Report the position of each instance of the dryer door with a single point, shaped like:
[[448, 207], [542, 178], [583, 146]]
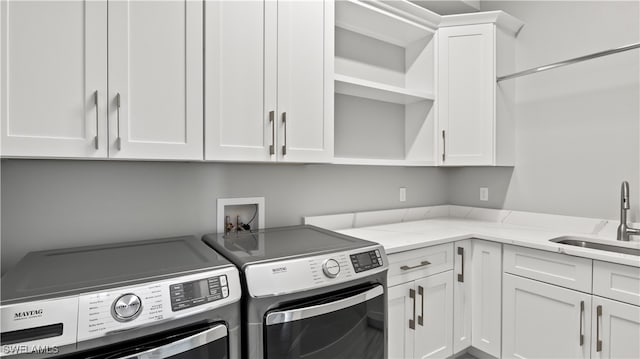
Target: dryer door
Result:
[[347, 325]]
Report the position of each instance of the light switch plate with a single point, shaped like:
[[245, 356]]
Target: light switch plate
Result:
[[403, 194]]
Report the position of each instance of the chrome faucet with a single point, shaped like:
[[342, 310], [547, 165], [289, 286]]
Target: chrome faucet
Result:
[[624, 231]]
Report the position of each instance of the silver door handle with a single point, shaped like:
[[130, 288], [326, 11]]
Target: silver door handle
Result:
[[412, 321], [444, 146], [598, 319], [279, 317], [284, 121], [272, 115], [461, 275], [581, 324], [118, 140], [182, 345], [95, 102], [422, 264], [421, 316]]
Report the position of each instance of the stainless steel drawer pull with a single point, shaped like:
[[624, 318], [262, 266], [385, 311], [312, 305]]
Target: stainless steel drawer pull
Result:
[[118, 140], [581, 324], [444, 146], [598, 320], [95, 102], [272, 119], [412, 322], [421, 316], [284, 121], [461, 275], [422, 264]]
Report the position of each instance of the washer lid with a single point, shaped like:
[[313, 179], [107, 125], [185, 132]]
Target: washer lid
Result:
[[71, 271], [276, 244]]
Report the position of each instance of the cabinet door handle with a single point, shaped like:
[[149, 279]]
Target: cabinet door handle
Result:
[[444, 146], [412, 321], [598, 320], [581, 323], [461, 275], [95, 102], [421, 316], [422, 264], [272, 119], [118, 140], [284, 121]]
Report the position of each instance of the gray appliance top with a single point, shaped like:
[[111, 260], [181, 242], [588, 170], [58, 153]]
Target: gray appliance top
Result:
[[71, 271], [275, 244]]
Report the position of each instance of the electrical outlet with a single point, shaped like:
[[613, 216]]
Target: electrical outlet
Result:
[[484, 193], [403, 194]]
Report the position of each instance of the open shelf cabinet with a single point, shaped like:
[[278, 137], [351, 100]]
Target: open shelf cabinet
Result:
[[384, 86]]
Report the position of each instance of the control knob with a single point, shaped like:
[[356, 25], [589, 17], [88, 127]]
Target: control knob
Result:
[[331, 268], [127, 307]]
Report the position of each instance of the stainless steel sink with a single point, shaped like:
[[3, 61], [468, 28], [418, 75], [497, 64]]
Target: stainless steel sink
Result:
[[597, 244]]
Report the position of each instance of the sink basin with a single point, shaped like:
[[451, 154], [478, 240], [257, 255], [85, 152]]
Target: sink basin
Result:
[[596, 244]]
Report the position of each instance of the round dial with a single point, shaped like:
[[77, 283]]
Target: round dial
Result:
[[127, 307], [331, 268]]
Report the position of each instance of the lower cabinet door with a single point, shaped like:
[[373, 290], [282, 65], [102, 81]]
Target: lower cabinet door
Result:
[[486, 273], [434, 316], [462, 295], [615, 330], [544, 321], [401, 320]]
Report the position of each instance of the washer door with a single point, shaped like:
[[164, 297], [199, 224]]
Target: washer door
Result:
[[210, 342], [347, 325]]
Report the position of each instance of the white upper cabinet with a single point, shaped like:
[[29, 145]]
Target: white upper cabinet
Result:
[[155, 79], [61, 100], [268, 85], [475, 115], [384, 83], [53, 68]]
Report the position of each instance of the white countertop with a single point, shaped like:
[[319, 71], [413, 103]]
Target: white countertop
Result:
[[404, 236]]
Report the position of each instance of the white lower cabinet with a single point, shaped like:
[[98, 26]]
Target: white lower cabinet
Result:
[[615, 329], [421, 318], [486, 284], [477, 296], [544, 321]]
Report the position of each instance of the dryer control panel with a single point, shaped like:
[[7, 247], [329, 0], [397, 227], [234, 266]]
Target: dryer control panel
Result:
[[300, 274]]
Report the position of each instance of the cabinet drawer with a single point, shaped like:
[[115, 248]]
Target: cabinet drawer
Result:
[[418, 263], [554, 268], [617, 282]]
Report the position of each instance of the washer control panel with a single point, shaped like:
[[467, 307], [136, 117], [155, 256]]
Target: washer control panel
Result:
[[331, 268], [114, 310], [366, 260], [127, 307], [190, 294]]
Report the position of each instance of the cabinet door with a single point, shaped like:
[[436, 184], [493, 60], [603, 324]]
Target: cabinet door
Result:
[[486, 273], [616, 326], [434, 305], [401, 310], [240, 80], [544, 321], [53, 67], [466, 92], [305, 81], [462, 296], [155, 79]]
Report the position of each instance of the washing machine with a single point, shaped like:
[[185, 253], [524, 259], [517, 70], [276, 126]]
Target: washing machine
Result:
[[160, 298], [309, 293]]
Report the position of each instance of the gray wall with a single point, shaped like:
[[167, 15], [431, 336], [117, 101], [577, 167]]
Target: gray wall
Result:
[[57, 203], [578, 127]]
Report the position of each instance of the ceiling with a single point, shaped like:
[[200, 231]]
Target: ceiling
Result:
[[449, 7]]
